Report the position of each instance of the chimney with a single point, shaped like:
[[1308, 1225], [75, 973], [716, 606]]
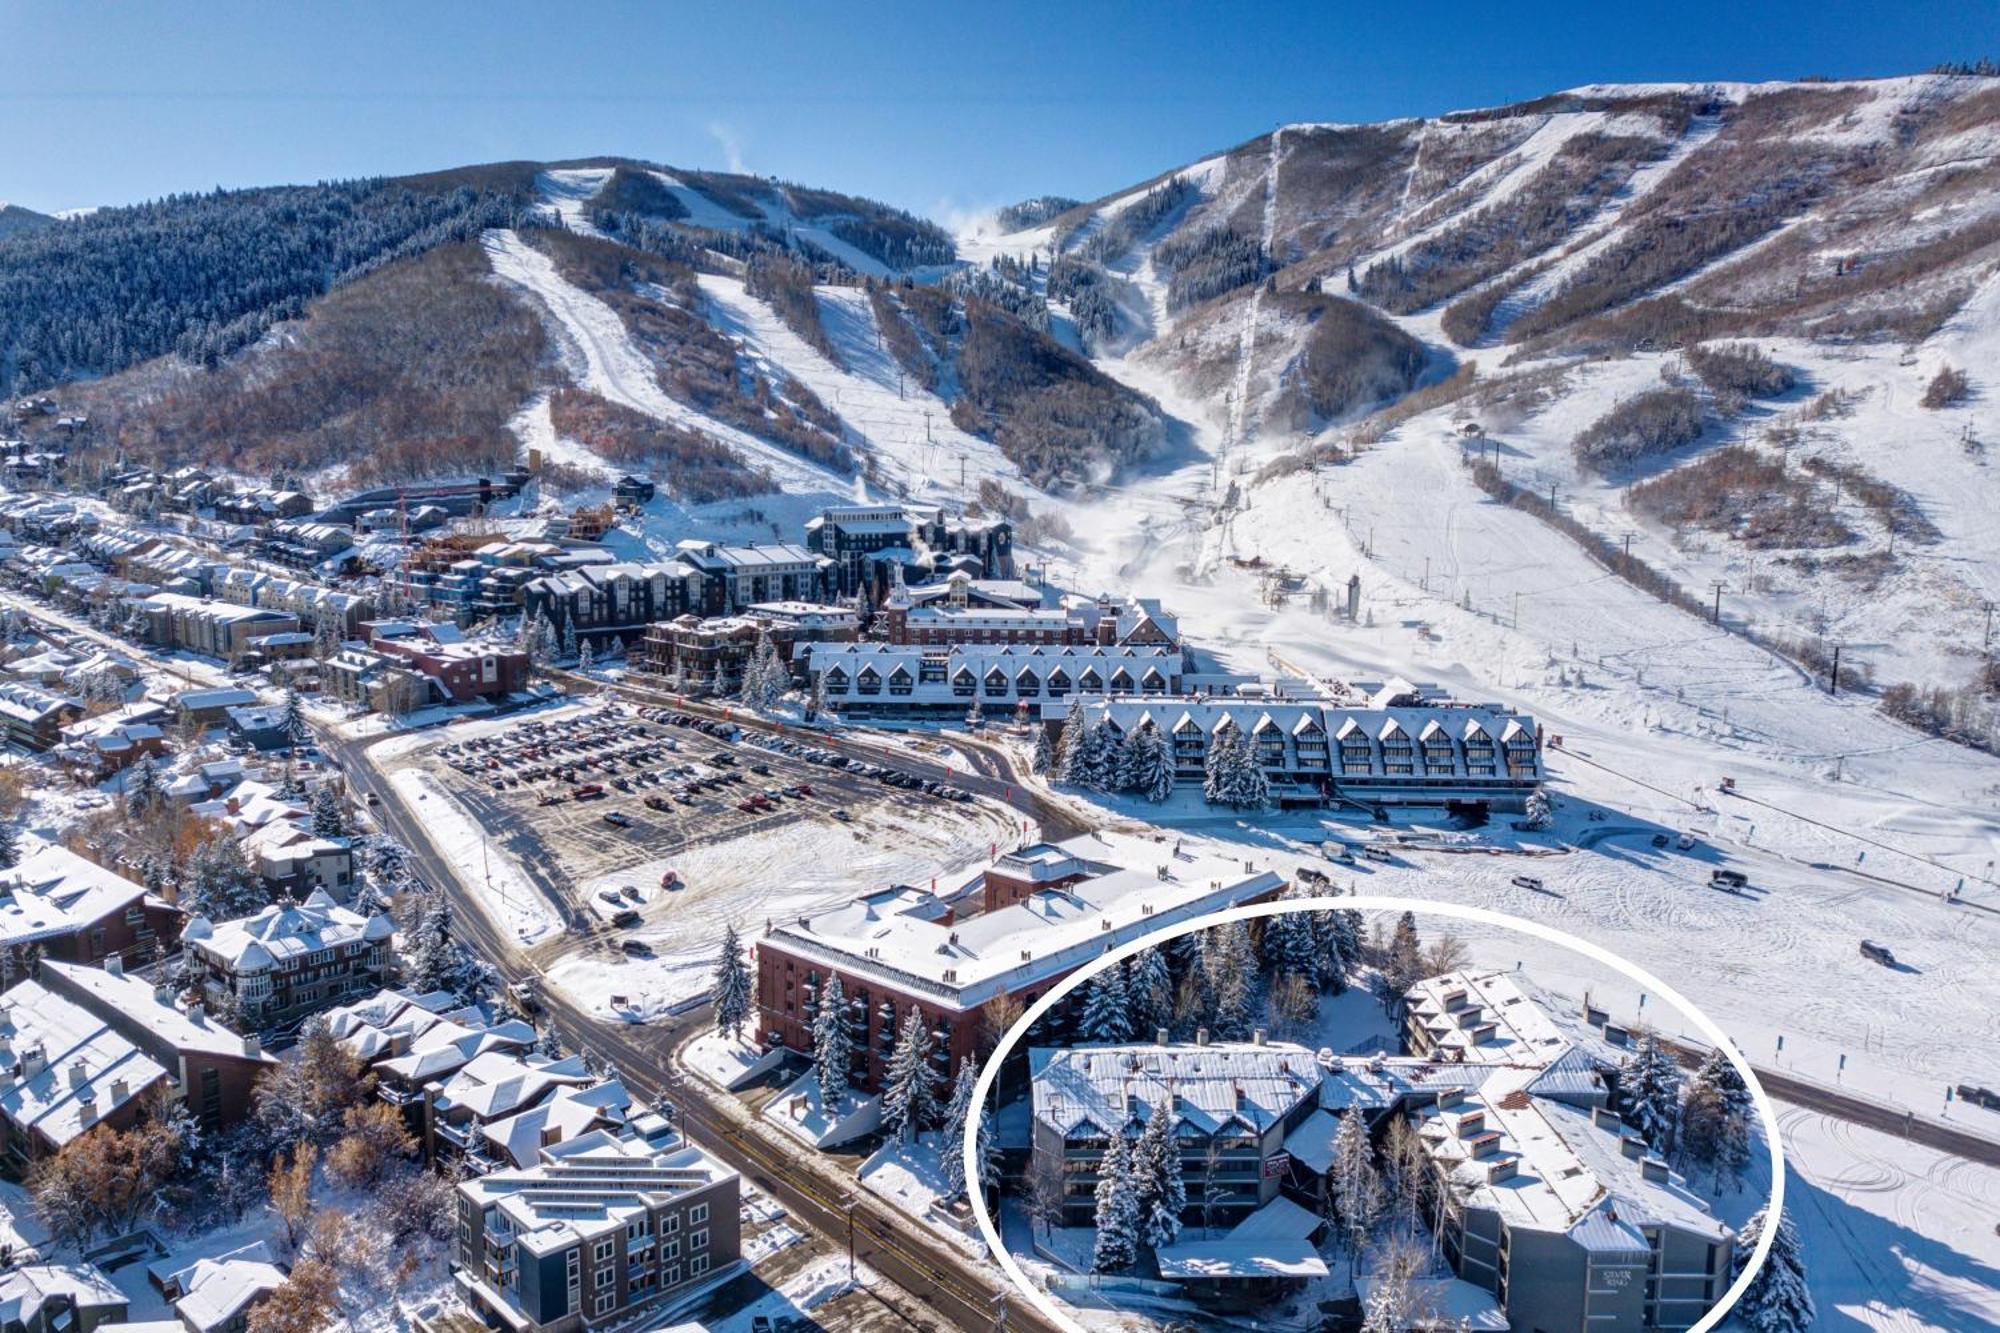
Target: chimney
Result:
[[120, 1090], [196, 1012], [79, 1072], [1201, 1036], [34, 1060], [1605, 1118], [1633, 1147], [163, 994], [114, 964], [253, 1045], [1471, 1123], [1257, 1037], [86, 1108], [1653, 1169], [1485, 1145], [1161, 1036], [1503, 1169]]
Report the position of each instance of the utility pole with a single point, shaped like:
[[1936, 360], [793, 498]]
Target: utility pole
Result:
[[1987, 607], [1628, 549], [1427, 573], [1517, 609], [1833, 679], [1552, 497], [1716, 617]]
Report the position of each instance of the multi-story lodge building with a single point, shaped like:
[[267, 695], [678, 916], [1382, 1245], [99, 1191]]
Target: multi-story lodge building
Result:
[[729, 579], [1240, 1107], [887, 680], [34, 718], [599, 1227], [871, 546], [211, 628], [1028, 920], [603, 602], [959, 610], [291, 960], [1540, 1195], [709, 655], [1315, 752], [76, 911]]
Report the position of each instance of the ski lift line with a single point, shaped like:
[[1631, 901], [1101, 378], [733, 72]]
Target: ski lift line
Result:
[[1885, 846], [1569, 754]]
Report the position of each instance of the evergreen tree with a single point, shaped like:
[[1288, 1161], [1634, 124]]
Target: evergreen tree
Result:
[[10, 846], [957, 1114], [1354, 1185], [1289, 948], [569, 644], [986, 1153], [1715, 1121], [1149, 993], [730, 991], [1069, 743], [833, 1044], [142, 789], [1778, 1299], [1156, 1177], [1118, 1220], [1149, 765], [220, 883], [329, 816], [1106, 1015], [1218, 766], [1649, 1093], [585, 659], [434, 960], [292, 721], [1045, 752], [1404, 966], [909, 1102]]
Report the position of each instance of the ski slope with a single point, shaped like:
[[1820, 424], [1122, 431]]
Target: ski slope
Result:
[[601, 357], [904, 427]]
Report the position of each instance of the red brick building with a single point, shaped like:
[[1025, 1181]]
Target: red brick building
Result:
[[461, 672], [1033, 917], [75, 911]]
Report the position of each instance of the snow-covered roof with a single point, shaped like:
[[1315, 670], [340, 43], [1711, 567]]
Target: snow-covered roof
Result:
[[571, 1111], [590, 1188], [289, 930], [137, 1002], [1211, 1086], [24, 1291], [62, 1067], [1489, 1016], [897, 933], [1274, 1241], [217, 1290], [55, 892], [498, 1084]]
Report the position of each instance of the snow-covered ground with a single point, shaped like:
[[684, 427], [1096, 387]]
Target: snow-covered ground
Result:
[[505, 892]]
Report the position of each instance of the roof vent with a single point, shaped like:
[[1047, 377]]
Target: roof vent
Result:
[[1201, 1036], [1633, 1147], [1605, 1118], [1503, 1169], [114, 964], [1653, 1169]]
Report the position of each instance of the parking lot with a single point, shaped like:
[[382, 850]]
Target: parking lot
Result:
[[655, 828]]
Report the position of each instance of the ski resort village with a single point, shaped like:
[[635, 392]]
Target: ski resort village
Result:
[[597, 745]]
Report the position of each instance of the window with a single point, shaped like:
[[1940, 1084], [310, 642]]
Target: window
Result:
[[697, 1214], [604, 1302], [670, 1249], [699, 1240], [604, 1277], [698, 1265], [899, 681], [961, 684], [602, 1250], [670, 1275], [670, 1224], [1026, 685]]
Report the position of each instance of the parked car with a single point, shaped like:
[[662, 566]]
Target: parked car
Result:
[[1878, 953], [1727, 879], [1376, 853], [1660, 840], [1527, 882], [617, 819]]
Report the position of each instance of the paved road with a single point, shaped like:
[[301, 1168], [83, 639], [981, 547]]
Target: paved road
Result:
[[940, 1288]]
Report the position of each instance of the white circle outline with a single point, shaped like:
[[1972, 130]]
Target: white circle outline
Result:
[[1767, 1112]]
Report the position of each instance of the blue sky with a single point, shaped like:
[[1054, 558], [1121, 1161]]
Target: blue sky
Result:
[[940, 107]]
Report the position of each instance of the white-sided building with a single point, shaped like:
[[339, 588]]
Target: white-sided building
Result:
[[889, 680], [1315, 752]]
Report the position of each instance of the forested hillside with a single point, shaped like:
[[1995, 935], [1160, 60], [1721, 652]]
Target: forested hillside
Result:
[[202, 275], [411, 371]]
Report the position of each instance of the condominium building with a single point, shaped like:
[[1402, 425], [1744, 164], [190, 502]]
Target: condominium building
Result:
[[291, 959], [1014, 929], [599, 1227]]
